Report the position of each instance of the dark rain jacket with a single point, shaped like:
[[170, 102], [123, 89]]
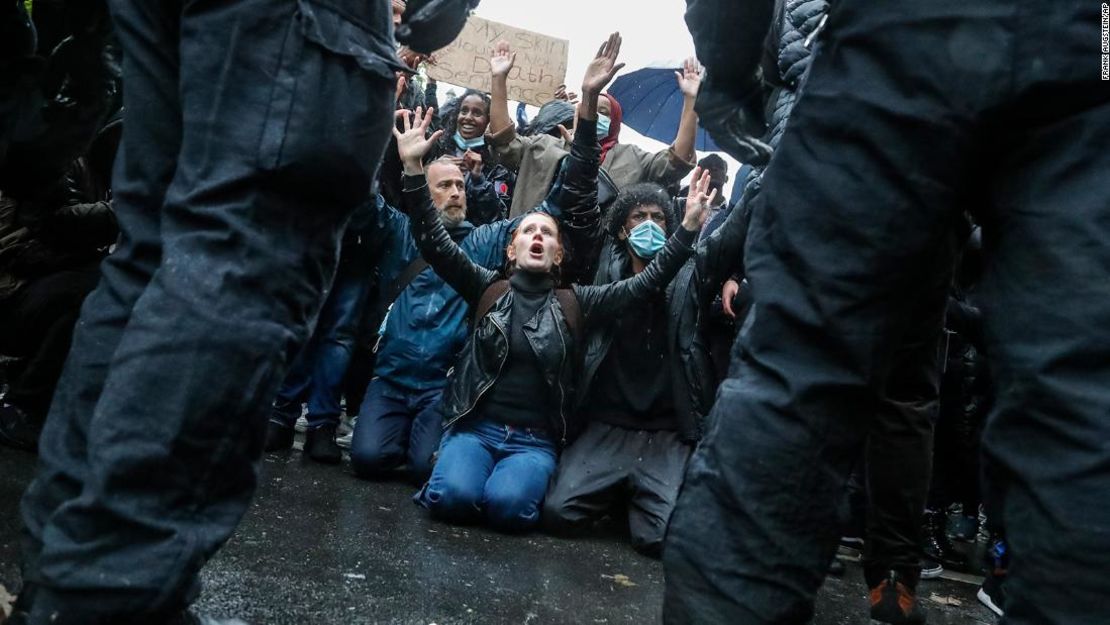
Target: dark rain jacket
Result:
[[479, 365]]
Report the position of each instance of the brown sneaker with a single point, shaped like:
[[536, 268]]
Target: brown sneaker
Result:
[[893, 602]]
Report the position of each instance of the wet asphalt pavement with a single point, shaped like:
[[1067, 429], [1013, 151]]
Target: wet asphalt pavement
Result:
[[320, 546]]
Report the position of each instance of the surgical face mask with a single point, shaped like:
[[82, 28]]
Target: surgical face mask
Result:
[[602, 126], [469, 144], [647, 239]]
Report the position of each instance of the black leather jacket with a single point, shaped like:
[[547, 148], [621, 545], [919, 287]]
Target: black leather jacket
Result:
[[480, 362]]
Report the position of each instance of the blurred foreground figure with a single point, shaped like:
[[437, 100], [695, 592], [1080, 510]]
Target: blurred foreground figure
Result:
[[252, 130], [911, 114]]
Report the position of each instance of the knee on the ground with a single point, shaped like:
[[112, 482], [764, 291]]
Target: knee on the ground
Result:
[[453, 502], [372, 461], [560, 518], [648, 544], [510, 513]]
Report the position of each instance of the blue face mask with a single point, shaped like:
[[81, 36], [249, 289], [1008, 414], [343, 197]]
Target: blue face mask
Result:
[[469, 144], [602, 126], [647, 239]]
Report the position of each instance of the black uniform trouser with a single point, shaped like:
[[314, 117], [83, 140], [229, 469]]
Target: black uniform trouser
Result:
[[608, 466], [899, 443], [253, 129], [913, 112], [37, 324]]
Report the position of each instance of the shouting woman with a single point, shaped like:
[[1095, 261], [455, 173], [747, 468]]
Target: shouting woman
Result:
[[509, 400]]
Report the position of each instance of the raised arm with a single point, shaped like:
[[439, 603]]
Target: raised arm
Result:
[[600, 303], [501, 63], [689, 81], [436, 246], [573, 199]]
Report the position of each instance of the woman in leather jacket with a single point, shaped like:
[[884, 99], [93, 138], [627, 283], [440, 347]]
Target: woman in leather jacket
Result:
[[508, 401]]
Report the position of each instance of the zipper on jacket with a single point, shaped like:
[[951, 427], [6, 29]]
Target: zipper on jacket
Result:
[[562, 393], [488, 385]]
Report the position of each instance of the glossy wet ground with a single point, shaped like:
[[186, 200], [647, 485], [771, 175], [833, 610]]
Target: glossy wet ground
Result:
[[320, 546]]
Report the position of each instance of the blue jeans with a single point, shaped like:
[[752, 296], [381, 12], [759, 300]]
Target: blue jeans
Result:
[[395, 426], [492, 472], [319, 371], [248, 146]]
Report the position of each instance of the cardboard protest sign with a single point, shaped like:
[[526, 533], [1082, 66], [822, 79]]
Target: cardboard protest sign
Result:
[[541, 61]]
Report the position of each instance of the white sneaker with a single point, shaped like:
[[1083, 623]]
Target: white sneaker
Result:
[[344, 441]]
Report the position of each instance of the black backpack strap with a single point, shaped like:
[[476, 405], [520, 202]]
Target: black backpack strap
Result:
[[407, 275], [568, 301], [489, 297]]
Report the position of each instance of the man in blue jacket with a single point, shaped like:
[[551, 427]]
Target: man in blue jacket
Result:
[[426, 321]]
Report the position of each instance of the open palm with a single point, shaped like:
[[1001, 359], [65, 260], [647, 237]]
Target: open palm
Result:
[[501, 59], [689, 78], [604, 66], [698, 199], [412, 141]]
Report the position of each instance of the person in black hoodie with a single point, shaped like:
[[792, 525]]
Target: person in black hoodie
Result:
[[509, 399]]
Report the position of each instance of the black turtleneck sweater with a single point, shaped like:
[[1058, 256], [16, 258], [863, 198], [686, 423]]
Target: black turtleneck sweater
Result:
[[519, 397]]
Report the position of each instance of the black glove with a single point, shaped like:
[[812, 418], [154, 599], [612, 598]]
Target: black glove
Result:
[[429, 25], [734, 118]]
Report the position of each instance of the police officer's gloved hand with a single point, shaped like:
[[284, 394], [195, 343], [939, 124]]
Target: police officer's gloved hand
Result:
[[733, 115], [428, 25]]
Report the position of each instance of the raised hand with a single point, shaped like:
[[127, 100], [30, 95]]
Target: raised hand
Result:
[[604, 66], [698, 200], [412, 144], [689, 78], [561, 93], [501, 59]]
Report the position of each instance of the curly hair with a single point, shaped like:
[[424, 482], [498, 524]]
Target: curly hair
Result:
[[634, 196]]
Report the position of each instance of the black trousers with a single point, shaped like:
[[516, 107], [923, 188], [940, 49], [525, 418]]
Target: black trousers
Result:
[[912, 113], [36, 324], [253, 130], [608, 467]]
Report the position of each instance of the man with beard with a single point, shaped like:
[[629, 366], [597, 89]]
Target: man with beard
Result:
[[425, 321]]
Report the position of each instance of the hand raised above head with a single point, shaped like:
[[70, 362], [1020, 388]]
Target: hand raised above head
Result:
[[689, 78], [413, 143], [601, 70], [501, 59], [698, 200]]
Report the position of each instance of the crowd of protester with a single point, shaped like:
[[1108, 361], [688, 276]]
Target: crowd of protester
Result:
[[529, 319]]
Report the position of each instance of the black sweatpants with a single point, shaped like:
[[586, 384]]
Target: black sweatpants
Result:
[[36, 324], [609, 466]]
